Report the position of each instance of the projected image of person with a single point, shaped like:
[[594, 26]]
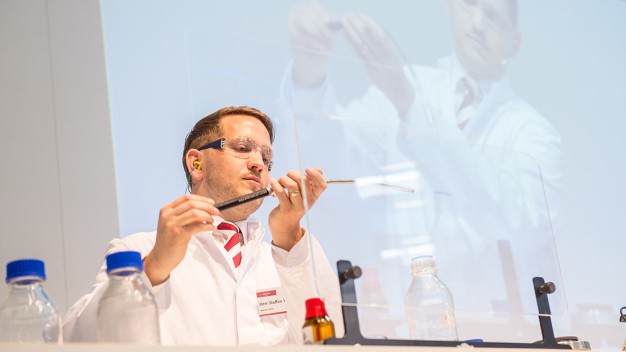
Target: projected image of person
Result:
[[467, 101], [207, 293]]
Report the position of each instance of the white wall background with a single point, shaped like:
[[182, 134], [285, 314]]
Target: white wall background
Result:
[[57, 183]]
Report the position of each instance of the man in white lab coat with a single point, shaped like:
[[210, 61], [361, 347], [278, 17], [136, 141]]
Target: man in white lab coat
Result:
[[208, 293]]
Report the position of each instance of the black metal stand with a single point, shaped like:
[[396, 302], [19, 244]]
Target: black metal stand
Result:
[[353, 336]]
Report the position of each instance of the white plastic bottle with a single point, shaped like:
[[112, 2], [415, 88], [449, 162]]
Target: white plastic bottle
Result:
[[429, 305], [28, 315], [127, 312]]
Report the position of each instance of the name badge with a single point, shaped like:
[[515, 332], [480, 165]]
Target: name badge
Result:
[[271, 301]]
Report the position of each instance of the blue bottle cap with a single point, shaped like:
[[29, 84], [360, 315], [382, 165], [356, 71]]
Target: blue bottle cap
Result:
[[25, 267], [123, 260]]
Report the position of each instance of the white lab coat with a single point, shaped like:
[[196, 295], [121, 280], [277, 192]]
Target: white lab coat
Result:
[[205, 301]]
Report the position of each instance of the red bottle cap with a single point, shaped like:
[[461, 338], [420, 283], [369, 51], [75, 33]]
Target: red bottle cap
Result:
[[315, 308]]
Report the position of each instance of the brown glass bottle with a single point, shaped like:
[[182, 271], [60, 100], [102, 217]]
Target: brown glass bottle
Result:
[[317, 325]]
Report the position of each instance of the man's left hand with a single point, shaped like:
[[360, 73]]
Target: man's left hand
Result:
[[383, 60], [284, 220]]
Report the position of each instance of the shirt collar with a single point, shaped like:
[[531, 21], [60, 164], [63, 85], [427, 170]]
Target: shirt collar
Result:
[[248, 227], [458, 73]]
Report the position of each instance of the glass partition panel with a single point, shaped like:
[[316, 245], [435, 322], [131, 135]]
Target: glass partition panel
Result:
[[480, 211]]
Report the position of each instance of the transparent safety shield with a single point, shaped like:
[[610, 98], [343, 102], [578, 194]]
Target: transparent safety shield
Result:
[[480, 211]]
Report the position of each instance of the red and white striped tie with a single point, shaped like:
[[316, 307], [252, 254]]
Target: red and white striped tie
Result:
[[233, 247], [468, 99]]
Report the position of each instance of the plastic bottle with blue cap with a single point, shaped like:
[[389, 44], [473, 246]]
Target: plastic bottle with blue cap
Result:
[[127, 311], [28, 315]]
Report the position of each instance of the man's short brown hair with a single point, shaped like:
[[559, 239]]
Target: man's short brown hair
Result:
[[209, 129]]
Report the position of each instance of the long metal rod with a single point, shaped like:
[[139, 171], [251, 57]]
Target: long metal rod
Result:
[[382, 184], [269, 192]]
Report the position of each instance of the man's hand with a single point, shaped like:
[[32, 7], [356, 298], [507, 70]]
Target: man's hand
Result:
[[383, 60], [284, 220], [178, 221], [310, 35]]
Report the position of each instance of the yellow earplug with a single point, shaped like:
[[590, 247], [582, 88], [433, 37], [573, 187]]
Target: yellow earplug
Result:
[[197, 165]]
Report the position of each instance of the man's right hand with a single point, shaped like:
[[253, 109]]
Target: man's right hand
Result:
[[310, 35], [178, 221]]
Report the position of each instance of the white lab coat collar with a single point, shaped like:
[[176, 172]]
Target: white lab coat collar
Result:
[[457, 73], [250, 229], [494, 94]]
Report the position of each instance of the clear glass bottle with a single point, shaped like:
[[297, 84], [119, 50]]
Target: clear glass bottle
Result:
[[317, 325], [28, 315], [127, 312], [429, 304]]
